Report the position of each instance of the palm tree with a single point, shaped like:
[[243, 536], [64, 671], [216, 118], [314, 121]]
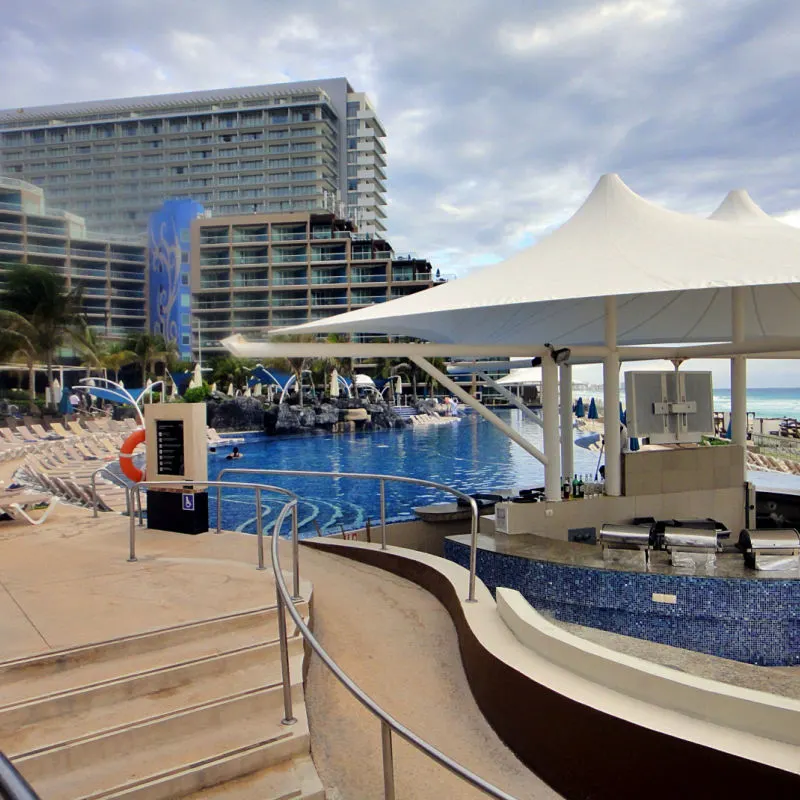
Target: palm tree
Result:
[[296, 365], [17, 343], [98, 353], [41, 297], [149, 349]]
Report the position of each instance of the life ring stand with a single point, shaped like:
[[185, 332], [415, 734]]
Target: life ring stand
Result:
[[129, 469]]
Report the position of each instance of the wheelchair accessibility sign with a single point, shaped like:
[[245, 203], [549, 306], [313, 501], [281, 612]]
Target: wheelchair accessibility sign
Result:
[[187, 502]]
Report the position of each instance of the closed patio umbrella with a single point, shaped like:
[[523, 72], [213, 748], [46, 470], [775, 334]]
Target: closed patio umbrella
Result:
[[64, 405], [580, 411], [334, 383], [592, 410], [258, 390]]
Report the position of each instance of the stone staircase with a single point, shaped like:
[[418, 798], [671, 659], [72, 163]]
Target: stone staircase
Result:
[[193, 710]]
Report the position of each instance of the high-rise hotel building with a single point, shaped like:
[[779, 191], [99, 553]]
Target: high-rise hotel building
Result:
[[305, 146]]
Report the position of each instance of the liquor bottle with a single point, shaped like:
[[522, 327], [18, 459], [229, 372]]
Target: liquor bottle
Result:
[[575, 486], [581, 493], [565, 488]]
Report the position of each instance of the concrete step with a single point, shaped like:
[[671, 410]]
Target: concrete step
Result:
[[296, 779], [45, 721], [61, 670], [173, 754]]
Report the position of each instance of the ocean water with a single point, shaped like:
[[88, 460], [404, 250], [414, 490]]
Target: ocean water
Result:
[[470, 455], [763, 402]]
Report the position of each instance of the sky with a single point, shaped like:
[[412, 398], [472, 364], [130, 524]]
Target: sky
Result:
[[500, 116]]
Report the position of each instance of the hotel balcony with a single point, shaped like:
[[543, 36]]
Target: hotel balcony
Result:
[[289, 300], [127, 276], [364, 276]]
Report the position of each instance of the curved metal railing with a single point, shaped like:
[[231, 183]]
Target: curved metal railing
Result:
[[473, 554], [134, 492], [117, 482], [286, 604], [388, 723], [12, 785]]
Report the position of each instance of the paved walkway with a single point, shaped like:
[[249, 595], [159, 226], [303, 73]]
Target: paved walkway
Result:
[[399, 644]]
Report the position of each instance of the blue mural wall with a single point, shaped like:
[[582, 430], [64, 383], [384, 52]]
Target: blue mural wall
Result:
[[168, 264]]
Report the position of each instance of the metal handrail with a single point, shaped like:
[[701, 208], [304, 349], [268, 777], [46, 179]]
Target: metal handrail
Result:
[[12, 785], [388, 723], [135, 489], [93, 482], [473, 555]]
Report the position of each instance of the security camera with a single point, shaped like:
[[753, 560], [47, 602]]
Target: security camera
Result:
[[559, 354]]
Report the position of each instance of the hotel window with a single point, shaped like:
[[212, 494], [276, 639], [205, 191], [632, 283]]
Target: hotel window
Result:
[[277, 177], [304, 176], [353, 108], [149, 173], [252, 137], [228, 181], [250, 118], [252, 151], [228, 195], [83, 148], [352, 127], [129, 146], [252, 164], [302, 161], [130, 129], [278, 162], [201, 182], [12, 138], [279, 148], [103, 148], [279, 191], [227, 121], [104, 175], [252, 193]]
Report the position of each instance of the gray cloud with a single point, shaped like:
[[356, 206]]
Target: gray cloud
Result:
[[501, 116]]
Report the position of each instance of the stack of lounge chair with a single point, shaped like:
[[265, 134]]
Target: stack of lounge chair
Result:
[[60, 459]]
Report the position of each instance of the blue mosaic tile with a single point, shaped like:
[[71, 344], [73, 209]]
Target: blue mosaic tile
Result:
[[756, 621]]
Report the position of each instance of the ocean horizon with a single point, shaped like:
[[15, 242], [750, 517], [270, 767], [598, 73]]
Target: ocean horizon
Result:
[[764, 402]]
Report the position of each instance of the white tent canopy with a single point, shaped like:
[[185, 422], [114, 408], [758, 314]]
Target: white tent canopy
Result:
[[526, 376], [672, 275]]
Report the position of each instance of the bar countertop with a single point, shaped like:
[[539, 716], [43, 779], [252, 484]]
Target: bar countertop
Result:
[[729, 565]]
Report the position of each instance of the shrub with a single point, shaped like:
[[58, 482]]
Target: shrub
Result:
[[198, 394]]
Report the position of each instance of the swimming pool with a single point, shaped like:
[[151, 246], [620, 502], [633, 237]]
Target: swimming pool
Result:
[[470, 455]]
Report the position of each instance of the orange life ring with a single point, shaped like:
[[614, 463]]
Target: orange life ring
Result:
[[126, 455]]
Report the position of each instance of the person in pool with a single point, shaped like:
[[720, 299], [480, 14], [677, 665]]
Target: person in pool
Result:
[[234, 454]]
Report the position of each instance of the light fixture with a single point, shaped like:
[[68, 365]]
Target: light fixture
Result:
[[559, 354]]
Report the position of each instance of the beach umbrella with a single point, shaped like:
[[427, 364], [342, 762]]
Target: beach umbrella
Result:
[[247, 392], [257, 391], [230, 390], [56, 392], [213, 386], [592, 410], [334, 383], [64, 405], [197, 378], [580, 411]]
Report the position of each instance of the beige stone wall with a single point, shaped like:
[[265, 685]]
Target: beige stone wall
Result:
[[554, 520], [687, 469], [417, 535]]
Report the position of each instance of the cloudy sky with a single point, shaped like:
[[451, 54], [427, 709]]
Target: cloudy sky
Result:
[[500, 115]]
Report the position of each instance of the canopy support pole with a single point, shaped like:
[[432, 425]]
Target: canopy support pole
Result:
[[478, 407], [738, 370], [611, 402], [567, 439], [512, 398], [552, 469]]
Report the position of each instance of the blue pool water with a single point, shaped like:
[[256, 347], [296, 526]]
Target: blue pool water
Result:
[[470, 455]]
